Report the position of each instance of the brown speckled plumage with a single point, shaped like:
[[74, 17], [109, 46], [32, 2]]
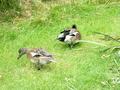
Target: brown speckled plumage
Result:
[[37, 56]]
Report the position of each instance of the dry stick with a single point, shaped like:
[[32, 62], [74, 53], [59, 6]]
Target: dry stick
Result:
[[113, 48], [107, 36]]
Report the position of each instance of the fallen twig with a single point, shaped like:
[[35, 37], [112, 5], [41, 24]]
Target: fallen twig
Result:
[[108, 37]]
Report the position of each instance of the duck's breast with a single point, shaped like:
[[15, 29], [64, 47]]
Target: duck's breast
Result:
[[33, 57], [68, 39]]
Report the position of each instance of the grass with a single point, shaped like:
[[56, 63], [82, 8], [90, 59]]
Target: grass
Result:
[[80, 68]]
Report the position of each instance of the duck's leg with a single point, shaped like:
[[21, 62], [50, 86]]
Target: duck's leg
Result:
[[41, 65], [71, 45], [38, 65]]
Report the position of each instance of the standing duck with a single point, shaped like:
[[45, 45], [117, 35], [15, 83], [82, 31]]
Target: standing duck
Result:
[[70, 36], [38, 56]]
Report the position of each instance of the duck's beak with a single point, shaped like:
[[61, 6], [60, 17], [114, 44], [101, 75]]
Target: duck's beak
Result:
[[20, 55], [56, 39]]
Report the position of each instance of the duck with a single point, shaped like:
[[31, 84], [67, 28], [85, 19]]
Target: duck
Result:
[[70, 36], [38, 56]]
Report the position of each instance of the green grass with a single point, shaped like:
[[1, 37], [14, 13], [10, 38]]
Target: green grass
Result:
[[80, 68]]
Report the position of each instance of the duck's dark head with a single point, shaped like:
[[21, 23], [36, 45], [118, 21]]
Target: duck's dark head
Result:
[[74, 26], [21, 52]]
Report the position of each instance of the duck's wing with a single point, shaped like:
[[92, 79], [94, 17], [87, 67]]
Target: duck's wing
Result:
[[42, 52], [34, 54], [45, 53], [62, 35], [45, 60]]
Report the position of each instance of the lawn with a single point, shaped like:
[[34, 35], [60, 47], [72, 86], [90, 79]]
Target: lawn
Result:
[[82, 68]]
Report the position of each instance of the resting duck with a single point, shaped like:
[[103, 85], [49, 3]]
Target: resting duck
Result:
[[70, 36], [38, 56]]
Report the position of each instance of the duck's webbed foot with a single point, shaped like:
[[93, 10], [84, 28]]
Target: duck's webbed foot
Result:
[[39, 66]]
